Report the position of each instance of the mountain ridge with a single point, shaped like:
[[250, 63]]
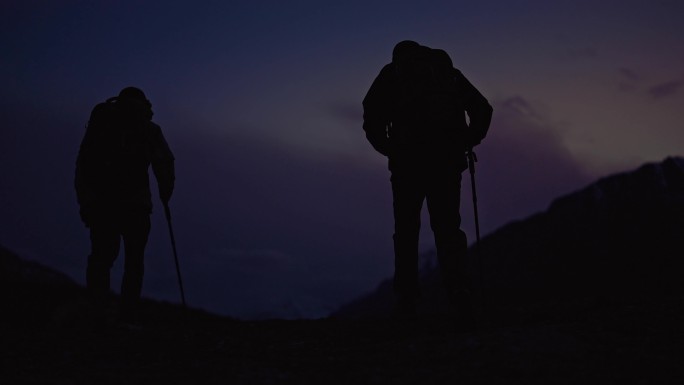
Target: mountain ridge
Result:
[[594, 242]]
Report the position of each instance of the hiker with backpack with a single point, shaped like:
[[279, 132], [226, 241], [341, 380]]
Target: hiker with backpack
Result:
[[415, 115], [113, 190]]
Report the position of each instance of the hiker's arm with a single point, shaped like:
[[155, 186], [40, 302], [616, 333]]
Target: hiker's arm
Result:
[[85, 195], [478, 109], [162, 164], [376, 112], [80, 178], [86, 154]]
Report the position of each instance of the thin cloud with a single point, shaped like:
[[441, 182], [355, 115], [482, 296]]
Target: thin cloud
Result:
[[628, 79], [629, 74], [517, 107], [524, 163], [666, 90], [347, 112]]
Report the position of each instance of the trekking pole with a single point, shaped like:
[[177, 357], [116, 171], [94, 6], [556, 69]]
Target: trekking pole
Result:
[[472, 158], [167, 211]]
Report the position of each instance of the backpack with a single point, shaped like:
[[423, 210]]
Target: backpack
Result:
[[115, 155], [429, 106]]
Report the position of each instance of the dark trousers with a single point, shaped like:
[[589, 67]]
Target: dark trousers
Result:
[[107, 230], [442, 191]]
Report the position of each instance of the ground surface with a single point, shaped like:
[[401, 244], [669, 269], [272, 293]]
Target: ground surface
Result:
[[47, 339]]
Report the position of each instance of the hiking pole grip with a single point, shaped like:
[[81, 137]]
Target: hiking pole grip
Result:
[[167, 212]]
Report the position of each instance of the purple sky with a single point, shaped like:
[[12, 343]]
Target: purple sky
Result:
[[281, 206]]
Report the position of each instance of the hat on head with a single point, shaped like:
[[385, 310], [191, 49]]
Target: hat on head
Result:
[[133, 93], [403, 49]]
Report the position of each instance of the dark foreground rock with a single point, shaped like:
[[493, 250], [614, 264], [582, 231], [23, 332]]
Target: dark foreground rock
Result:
[[56, 337]]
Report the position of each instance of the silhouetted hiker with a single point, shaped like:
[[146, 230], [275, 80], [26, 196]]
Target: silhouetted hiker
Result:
[[415, 114], [113, 190]]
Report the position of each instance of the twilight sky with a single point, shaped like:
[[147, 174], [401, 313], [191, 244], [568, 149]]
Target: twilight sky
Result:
[[282, 208]]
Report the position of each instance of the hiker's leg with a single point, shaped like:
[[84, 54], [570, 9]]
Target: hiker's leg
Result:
[[105, 242], [443, 201], [136, 231], [407, 201]]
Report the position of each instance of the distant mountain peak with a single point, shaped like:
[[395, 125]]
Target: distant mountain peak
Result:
[[651, 181]]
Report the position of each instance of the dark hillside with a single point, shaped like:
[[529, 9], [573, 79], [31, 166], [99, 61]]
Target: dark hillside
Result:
[[588, 292], [619, 239], [50, 339]]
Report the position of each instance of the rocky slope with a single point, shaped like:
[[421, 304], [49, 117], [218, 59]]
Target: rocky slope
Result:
[[618, 239]]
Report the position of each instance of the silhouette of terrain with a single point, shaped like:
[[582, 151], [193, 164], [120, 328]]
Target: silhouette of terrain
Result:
[[620, 239], [560, 310]]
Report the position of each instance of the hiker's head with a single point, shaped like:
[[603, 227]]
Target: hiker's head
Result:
[[410, 57], [404, 50], [135, 99], [132, 93]]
